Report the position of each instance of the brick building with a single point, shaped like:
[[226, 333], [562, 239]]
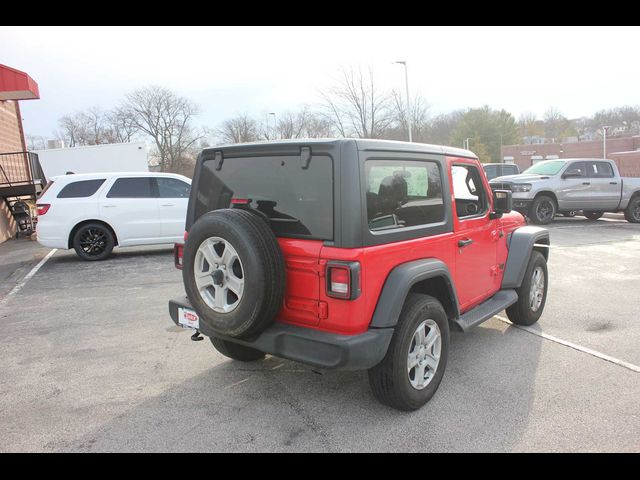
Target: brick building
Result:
[[625, 151], [15, 169]]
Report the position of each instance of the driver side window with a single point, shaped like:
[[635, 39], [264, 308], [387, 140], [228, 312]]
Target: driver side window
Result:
[[469, 192]]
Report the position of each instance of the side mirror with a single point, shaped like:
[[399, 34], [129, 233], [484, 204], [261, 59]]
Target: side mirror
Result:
[[573, 172], [502, 203]]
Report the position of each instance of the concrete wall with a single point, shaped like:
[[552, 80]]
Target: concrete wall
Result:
[[10, 141]]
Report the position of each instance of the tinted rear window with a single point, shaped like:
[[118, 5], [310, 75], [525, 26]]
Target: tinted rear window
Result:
[[134, 187], [298, 202], [84, 188]]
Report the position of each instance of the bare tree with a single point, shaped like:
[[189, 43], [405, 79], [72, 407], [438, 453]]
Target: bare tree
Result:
[[36, 142], [72, 129], [303, 124], [166, 117], [529, 125], [356, 106], [239, 129], [120, 127], [419, 118], [555, 123]]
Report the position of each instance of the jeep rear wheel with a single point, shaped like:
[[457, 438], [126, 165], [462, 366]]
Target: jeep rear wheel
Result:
[[542, 210], [591, 215], [532, 294], [233, 272], [412, 369], [632, 212]]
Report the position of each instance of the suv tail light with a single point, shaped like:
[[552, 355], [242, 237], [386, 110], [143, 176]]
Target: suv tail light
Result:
[[43, 208], [343, 280]]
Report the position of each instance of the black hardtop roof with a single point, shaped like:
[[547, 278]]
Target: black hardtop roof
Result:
[[324, 144]]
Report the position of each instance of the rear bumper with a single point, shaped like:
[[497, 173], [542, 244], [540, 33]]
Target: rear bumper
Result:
[[313, 347]]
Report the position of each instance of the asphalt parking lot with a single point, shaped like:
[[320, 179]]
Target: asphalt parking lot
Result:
[[92, 362]]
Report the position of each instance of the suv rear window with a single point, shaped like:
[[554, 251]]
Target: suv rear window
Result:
[[298, 202], [84, 188]]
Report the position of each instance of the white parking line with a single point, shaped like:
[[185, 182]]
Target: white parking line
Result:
[[33, 271], [580, 348]]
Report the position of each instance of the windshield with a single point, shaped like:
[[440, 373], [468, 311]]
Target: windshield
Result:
[[550, 167]]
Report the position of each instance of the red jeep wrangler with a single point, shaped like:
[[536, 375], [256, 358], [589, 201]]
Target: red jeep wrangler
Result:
[[357, 254]]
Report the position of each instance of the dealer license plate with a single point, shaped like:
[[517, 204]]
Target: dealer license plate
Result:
[[188, 318]]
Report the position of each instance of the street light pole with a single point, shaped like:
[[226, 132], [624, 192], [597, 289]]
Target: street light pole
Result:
[[604, 141], [406, 83]]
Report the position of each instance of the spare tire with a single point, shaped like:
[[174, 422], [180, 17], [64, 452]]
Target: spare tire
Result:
[[233, 272]]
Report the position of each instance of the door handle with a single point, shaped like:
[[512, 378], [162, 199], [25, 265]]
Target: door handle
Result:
[[167, 205], [613, 183], [586, 183], [465, 242], [108, 206]]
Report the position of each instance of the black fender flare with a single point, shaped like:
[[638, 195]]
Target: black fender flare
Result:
[[399, 283], [521, 243]]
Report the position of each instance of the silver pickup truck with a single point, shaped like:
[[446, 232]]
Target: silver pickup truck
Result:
[[592, 185]]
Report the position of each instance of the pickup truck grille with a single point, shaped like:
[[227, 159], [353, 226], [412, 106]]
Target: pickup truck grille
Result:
[[500, 186]]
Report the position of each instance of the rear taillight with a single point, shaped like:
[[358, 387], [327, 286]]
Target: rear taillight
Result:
[[343, 280], [178, 251], [43, 208]]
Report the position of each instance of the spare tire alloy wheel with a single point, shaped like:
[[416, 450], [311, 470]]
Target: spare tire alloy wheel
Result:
[[234, 273], [219, 275]]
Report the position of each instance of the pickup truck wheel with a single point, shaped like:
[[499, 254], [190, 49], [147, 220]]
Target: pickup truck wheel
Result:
[[591, 215], [632, 212], [414, 364], [93, 241], [236, 351], [532, 294], [233, 272], [542, 210]]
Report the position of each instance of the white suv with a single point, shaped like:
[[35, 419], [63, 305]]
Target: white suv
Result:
[[94, 212]]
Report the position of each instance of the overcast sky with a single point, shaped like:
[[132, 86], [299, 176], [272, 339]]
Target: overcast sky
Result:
[[230, 70]]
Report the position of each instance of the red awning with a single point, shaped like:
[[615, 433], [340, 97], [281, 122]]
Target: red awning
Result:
[[17, 85]]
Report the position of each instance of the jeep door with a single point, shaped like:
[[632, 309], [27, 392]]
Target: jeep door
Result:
[[475, 234], [605, 187]]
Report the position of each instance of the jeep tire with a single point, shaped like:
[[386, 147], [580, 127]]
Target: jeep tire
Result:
[[592, 215], [393, 381], [236, 351], [532, 294], [632, 212], [241, 293], [543, 209]]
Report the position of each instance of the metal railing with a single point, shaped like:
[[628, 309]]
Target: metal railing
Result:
[[20, 168]]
